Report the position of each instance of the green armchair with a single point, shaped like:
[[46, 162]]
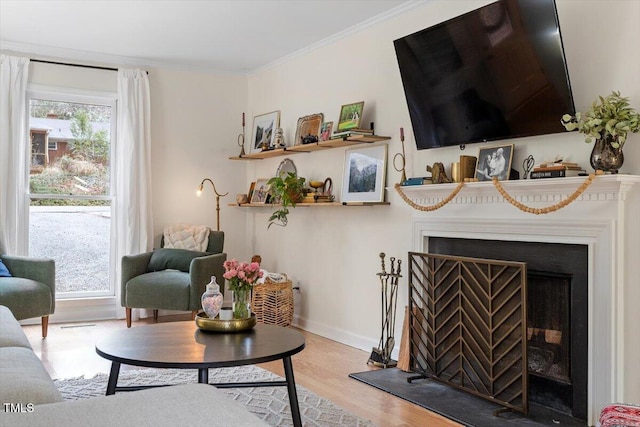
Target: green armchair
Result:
[[171, 279], [31, 289]]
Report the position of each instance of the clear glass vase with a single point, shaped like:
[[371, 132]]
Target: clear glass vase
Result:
[[241, 303]]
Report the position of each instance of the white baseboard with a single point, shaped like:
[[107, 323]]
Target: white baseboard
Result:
[[80, 310], [341, 336]]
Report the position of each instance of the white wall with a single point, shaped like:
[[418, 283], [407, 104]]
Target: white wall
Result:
[[333, 251], [196, 119]]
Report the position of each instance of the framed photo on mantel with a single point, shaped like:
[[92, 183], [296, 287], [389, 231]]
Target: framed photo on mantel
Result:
[[494, 162]]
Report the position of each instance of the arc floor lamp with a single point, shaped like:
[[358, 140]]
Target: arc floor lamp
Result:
[[218, 195]]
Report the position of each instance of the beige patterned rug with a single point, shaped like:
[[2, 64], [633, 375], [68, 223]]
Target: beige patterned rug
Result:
[[269, 403]]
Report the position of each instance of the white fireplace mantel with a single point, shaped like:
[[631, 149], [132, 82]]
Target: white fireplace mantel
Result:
[[605, 218]]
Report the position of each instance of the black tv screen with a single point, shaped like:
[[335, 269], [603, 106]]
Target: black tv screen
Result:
[[494, 73]]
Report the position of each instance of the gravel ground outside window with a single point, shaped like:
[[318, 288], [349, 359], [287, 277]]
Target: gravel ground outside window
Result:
[[77, 238]]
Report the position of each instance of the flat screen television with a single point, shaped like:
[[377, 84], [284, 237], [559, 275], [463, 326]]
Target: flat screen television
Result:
[[497, 72]]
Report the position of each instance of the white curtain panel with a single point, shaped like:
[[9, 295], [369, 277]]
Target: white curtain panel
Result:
[[14, 149], [133, 219]]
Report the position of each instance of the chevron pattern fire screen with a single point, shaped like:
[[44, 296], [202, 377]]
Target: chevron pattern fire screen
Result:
[[468, 322]]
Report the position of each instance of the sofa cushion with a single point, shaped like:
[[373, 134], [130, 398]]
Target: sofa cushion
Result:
[[179, 405], [24, 379], [25, 297], [4, 271], [11, 333], [142, 291], [174, 259]]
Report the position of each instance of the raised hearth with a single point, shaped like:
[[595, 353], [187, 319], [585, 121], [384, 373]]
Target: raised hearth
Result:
[[604, 219]]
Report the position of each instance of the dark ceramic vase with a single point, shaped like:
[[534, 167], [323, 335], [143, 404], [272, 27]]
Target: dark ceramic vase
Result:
[[605, 157]]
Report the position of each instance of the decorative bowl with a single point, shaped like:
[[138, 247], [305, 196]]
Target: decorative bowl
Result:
[[225, 326]]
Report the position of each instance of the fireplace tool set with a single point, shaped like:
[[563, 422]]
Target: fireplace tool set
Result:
[[381, 355]]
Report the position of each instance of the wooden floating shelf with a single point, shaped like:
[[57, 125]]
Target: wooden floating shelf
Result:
[[308, 148], [264, 205], [262, 154]]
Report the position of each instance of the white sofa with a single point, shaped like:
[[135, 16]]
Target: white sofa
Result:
[[29, 396]]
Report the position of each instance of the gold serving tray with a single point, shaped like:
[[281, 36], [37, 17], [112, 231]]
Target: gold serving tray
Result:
[[224, 326]]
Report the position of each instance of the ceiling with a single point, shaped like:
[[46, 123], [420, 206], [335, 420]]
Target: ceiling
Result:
[[234, 36]]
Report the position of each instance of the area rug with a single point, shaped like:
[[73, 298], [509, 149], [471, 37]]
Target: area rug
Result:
[[269, 403], [458, 405]]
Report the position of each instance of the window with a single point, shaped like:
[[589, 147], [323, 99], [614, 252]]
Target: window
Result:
[[70, 189]]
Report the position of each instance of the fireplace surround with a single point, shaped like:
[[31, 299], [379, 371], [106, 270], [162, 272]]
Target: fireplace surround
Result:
[[604, 218]]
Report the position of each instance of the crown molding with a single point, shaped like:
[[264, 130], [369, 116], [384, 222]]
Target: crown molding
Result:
[[98, 59]]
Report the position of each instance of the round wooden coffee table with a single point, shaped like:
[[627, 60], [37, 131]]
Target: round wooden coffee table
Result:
[[182, 345]]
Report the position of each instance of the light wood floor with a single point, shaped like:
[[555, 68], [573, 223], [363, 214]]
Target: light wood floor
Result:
[[322, 367]]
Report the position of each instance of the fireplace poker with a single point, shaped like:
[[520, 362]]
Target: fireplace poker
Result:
[[381, 355]]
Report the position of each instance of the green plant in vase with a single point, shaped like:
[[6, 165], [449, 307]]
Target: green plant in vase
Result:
[[608, 122], [285, 192]]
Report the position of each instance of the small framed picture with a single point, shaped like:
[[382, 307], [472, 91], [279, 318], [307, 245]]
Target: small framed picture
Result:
[[325, 131], [264, 127], [494, 162], [364, 174], [251, 188], [350, 116], [260, 191]]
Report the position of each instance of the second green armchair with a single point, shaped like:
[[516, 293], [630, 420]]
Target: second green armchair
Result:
[[171, 279]]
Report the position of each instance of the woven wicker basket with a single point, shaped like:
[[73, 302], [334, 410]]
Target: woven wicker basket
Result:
[[272, 302]]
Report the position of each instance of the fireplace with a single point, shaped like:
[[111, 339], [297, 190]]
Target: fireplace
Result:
[[603, 220], [557, 311]]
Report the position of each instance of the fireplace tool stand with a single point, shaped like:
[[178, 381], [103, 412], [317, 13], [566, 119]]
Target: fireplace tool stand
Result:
[[381, 355]]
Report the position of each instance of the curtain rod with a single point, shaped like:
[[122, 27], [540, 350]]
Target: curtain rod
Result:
[[95, 67]]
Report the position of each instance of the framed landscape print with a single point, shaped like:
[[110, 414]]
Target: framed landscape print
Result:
[[494, 161], [264, 127], [364, 174], [350, 116]]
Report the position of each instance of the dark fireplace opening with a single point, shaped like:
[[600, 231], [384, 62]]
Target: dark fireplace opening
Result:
[[549, 339], [557, 313]]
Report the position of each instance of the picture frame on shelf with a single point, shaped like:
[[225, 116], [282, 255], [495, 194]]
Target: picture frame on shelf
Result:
[[260, 191], [350, 116], [325, 131], [264, 127], [494, 161], [364, 173], [308, 126], [250, 192]]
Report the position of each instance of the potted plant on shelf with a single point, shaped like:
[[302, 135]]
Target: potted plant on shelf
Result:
[[286, 192], [608, 122]]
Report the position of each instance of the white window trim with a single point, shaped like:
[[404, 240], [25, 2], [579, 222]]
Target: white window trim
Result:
[[78, 301]]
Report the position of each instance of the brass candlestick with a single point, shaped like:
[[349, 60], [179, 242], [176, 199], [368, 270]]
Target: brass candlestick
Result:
[[241, 139], [402, 158]]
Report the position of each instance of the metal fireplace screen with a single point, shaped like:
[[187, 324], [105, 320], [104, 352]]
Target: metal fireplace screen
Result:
[[468, 322]]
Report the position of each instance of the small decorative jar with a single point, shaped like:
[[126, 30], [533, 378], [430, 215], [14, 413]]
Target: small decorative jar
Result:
[[212, 299]]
